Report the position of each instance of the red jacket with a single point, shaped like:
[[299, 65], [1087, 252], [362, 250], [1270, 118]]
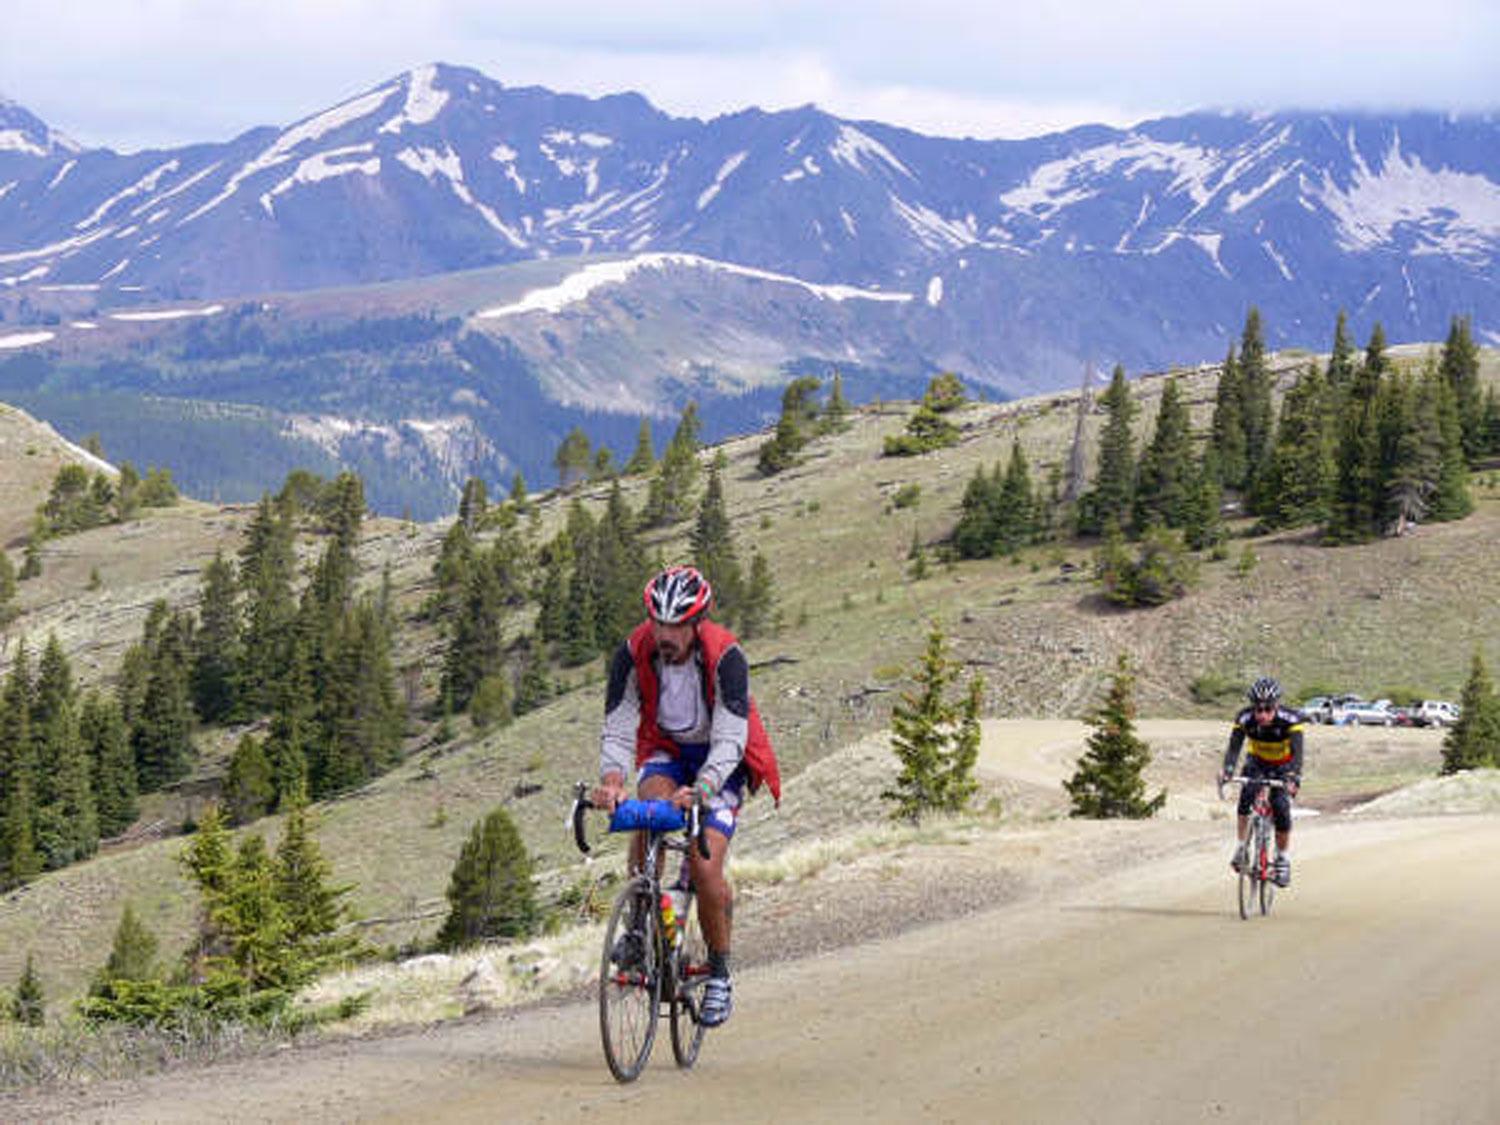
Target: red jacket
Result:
[[713, 640]]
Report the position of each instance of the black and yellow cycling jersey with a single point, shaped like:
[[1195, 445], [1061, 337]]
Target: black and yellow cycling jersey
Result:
[[1276, 742]]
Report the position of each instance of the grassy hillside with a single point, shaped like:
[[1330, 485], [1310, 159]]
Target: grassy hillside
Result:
[[1397, 613]]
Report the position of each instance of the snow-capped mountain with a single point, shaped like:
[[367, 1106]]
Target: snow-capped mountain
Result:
[[1019, 260], [24, 134]]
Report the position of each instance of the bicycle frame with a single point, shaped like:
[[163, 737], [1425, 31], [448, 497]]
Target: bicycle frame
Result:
[[1257, 882], [671, 973]]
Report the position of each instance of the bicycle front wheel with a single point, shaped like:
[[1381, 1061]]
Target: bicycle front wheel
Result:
[[630, 973], [690, 963], [1247, 892], [1267, 874]]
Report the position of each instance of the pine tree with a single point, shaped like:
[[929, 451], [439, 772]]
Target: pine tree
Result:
[[1460, 369], [475, 647], [106, 740], [1341, 364], [1302, 466], [758, 606], [1474, 741], [490, 891], [1451, 499], [1015, 514], [1166, 469], [1228, 435], [572, 459], [1204, 525], [669, 498], [1255, 380], [19, 859], [267, 568], [1355, 506], [132, 957], [934, 739], [1412, 478], [643, 459], [799, 413], [713, 549], [217, 654], [249, 787], [313, 908], [976, 533], [836, 412], [162, 734], [363, 719], [28, 1005], [473, 505], [1114, 481], [65, 824], [1108, 782], [533, 687], [7, 589]]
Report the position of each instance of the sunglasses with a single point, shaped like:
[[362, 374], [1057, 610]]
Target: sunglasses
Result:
[[1264, 708]]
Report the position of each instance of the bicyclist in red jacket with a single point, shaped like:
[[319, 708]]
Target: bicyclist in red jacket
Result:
[[678, 706], [1274, 733]]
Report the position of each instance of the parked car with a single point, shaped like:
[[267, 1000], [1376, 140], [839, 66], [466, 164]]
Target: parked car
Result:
[[1434, 713], [1379, 713], [1329, 708]]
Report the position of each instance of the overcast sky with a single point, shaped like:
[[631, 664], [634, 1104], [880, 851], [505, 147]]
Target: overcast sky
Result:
[[137, 73]]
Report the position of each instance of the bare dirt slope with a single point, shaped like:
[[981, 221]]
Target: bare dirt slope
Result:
[[1109, 978]]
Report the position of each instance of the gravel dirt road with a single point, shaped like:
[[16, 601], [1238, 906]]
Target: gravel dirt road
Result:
[[1134, 994]]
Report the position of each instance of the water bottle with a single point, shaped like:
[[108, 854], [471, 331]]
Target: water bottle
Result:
[[668, 918]]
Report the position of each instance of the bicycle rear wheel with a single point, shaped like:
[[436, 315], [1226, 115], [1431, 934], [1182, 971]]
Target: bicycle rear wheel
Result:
[[690, 963], [630, 989]]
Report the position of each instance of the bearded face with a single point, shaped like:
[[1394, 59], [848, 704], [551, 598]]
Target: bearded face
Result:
[[674, 642]]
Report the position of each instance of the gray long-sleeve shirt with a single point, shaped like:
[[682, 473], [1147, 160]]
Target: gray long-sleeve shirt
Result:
[[682, 711]]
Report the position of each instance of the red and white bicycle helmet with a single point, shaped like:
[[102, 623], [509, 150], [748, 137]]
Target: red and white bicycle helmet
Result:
[[678, 595]]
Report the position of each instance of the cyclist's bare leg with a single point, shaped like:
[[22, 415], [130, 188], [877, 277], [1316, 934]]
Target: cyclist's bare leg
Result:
[[1283, 841], [653, 788], [715, 898], [1243, 829]]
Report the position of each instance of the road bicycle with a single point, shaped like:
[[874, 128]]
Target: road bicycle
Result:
[[655, 961], [1257, 883]]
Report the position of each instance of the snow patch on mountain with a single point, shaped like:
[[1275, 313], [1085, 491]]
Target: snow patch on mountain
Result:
[[62, 174], [429, 163], [321, 167], [310, 130], [725, 171], [578, 286], [167, 314], [1060, 183], [1276, 257], [25, 339], [1448, 212], [934, 231], [852, 147], [145, 185], [14, 140], [424, 101], [55, 247]]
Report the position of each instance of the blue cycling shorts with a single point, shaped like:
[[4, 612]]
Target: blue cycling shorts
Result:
[[723, 806]]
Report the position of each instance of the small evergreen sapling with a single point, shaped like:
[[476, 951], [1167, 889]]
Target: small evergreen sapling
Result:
[[1108, 782]]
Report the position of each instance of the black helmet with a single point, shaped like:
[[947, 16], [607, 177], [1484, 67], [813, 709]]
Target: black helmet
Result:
[[1264, 690]]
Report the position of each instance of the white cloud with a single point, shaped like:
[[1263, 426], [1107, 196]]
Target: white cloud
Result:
[[133, 72]]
